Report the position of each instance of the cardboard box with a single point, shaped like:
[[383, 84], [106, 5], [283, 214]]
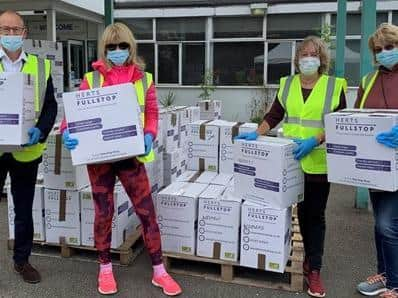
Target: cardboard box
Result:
[[354, 156], [177, 210], [37, 213], [280, 187], [58, 171], [119, 221], [206, 177], [106, 121], [188, 176], [174, 166], [155, 174], [265, 237], [219, 224], [222, 179], [193, 114], [62, 216], [203, 146], [183, 120], [133, 221], [209, 109], [17, 112], [169, 122], [228, 131]]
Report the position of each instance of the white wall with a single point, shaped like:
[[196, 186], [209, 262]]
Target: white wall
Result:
[[235, 101], [96, 6]]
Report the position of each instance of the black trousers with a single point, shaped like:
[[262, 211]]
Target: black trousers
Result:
[[311, 213], [23, 179]]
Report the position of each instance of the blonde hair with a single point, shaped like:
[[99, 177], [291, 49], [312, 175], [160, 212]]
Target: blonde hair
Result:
[[117, 33], [321, 49], [385, 34]]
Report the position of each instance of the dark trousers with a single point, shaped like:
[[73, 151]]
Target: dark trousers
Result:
[[311, 213], [23, 179], [385, 209]]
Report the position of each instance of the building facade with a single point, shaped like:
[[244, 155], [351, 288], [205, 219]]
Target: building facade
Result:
[[244, 46]]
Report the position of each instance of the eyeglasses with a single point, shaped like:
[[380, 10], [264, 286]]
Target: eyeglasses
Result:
[[114, 46], [7, 30], [388, 47]]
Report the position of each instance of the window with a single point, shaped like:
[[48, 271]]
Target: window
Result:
[[168, 64], [141, 28], [146, 52], [354, 22], [193, 63], [238, 27], [279, 61], [293, 26], [180, 29], [395, 18], [238, 63]]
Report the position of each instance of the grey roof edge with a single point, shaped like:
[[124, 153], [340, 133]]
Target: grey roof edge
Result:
[[121, 4]]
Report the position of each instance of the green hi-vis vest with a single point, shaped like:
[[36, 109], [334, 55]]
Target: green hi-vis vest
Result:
[[367, 83], [305, 120], [96, 80], [40, 69]]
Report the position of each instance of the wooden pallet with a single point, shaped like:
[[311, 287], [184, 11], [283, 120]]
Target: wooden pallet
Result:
[[231, 272], [126, 253]]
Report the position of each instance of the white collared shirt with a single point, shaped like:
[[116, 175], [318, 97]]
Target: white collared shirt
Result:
[[10, 66]]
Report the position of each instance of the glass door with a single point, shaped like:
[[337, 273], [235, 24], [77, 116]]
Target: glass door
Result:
[[76, 64]]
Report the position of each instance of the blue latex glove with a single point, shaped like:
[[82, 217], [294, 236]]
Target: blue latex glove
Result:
[[69, 142], [305, 146], [148, 141], [34, 136], [390, 138], [248, 136]]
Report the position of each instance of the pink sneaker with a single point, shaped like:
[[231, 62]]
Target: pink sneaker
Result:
[[106, 282], [168, 284]]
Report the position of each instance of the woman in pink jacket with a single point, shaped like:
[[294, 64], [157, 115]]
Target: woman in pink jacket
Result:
[[118, 65]]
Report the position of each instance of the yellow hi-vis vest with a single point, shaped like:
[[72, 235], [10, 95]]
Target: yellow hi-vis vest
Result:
[[96, 80], [40, 69], [305, 120], [367, 83]]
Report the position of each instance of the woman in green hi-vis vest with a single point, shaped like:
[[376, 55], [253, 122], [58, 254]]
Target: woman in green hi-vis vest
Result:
[[302, 102]]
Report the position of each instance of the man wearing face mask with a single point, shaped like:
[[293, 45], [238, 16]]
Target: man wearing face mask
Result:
[[378, 90], [22, 165], [302, 102]]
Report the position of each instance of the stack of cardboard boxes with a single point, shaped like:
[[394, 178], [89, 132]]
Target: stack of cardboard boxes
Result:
[[229, 205], [175, 122], [209, 109], [62, 183], [270, 181], [52, 51]]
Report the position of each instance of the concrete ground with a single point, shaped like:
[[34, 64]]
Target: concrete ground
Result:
[[349, 257]]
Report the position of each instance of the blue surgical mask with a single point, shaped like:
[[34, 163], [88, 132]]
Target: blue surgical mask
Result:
[[11, 43], [309, 65], [118, 57], [388, 58]]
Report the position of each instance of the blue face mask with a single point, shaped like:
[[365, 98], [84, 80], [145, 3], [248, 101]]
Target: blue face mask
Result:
[[309, 65], [11, 43], [118, 57], [388, 58]]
